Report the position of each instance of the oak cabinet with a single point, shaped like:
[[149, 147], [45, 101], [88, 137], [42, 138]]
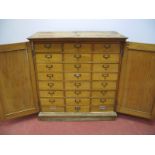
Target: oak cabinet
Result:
[[77, 76]]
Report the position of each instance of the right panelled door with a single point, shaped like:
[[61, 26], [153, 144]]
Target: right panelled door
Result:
[[136, 94]]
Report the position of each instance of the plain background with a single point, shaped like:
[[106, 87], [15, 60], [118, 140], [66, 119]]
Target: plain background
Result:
[[137, 30]]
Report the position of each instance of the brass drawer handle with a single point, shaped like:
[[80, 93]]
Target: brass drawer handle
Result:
[[48, 56], [105, 66], [77, 45], [77, 100], [106, 56], [51, 92], [77, 75], [77, 108], [77, 66], [50, 76], [77, 84], [103, 92], [77, 56], [49, 66], [104, 84], [77, 92], [102, 100], [50, 84], [105, 75], [47, 45], [106, 46], [52, 100]]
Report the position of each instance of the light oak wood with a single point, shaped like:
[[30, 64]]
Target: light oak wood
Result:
[[52, 101], [77, 108], [77, 58], [77, 93], [105, 76], [49, 68], [103, 101], [104, 94], [50, 76], [77, 101], [102, 108], [52, 109], [137, 84], [106, 68], [77, 76], [51, 93]]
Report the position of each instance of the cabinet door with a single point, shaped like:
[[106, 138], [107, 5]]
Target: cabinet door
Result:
[[17, 81], [137, 82]]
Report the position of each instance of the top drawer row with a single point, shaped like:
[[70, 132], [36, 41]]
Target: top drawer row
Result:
[[77, 47]]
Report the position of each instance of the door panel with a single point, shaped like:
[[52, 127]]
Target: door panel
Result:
[[17, 85], [137, 82]]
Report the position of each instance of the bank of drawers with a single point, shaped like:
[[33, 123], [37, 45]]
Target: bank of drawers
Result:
[[75, 77]]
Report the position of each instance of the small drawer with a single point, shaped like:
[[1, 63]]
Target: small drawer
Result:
[[48, 47], [52, 101], [77, 108], [103, 93], [49, 67], [106, 58], [77, 47], [77, 76], [77, 101], [77, 67], [50, 76], [77, 57], [51, 93], [102, 108], [105, 76], [104, 85], [48, 58], [50, 85], [105, 67], [77, 85], [77, 93], [105, 47], [103, 101], [52, 109]]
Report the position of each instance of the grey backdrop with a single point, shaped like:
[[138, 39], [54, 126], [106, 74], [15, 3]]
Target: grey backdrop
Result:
[[12, 31]]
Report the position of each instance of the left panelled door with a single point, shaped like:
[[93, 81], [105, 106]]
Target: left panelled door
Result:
[[18, 95]]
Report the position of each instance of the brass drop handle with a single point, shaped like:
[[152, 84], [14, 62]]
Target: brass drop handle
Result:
[[77, 92], [49, 66], [77, 108], [47, 45], [104, 84], [103, 92], [77, 100], [50, 84], [77, 75], [105, 75], [50, 75], [106, 56], [105, 66], [77, 45], [51, 100], [48, 56], [102, 100], [51, 92], [77, 66], [77, 56], [106, 46], [77, 84]]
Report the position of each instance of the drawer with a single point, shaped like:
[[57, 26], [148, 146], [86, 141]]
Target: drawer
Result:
[[105, 76], [78, 101], [52, 101], [48, 58], [105, 47], [106, 58], [77, 76], [50, 85], [103, 101], [77, 67], [77, 108], [77, 47], [77, 85], [103, 93], [52, 109], [105, 67], [104, 85], [77, 57], [77, 93], [50, 76], [48, 47], [102, 108], [51, 93], [49, 67]]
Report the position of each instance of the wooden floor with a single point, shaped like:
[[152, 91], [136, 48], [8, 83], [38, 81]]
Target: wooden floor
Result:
[[122, 125]]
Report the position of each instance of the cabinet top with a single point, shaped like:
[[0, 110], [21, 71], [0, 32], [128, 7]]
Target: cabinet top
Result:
[[77, 35]]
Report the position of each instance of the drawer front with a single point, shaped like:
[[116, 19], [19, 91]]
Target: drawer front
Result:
[[52, 109], [77, 108], [49, 68], [52, 101], [77, 67], [105, 76], [75, 85], [48, 47], [77, 93], [48, 58], [102, 108], [103, 101], [51, 93], [105, 67], [105, 47], [50, 85], [103, 93], [77, 57], [77, 76], [50, 76], [106, 58], [77, 47], [77, 101], [104, 85]]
